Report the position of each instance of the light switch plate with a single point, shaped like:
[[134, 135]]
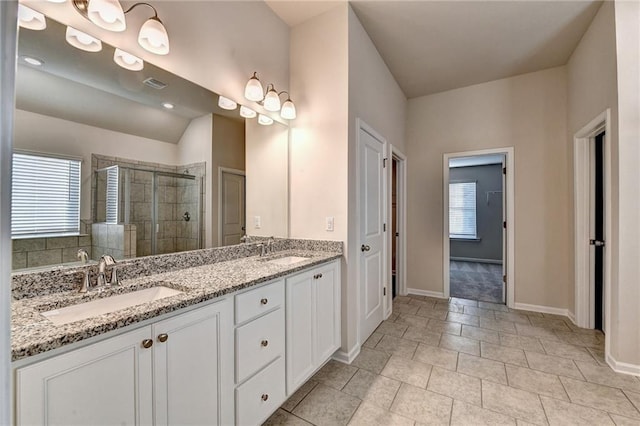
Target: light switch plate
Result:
[[330, 223], [256, 222]]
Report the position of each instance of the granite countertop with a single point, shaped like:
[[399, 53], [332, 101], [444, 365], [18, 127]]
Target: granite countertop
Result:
[[32, 333]]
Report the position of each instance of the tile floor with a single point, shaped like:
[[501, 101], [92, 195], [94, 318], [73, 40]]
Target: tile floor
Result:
[[477, 281], [462, 362]]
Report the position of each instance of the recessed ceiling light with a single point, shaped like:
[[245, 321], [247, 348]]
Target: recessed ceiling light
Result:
[[168, 105], [32, 61], [247, 112], [226, 103]]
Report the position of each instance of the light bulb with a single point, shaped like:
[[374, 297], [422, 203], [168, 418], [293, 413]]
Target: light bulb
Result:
[[30, 19], [226, 103], [127, 60], [288, 110], [153, 37], [83, 41], [107, 14], [272, 100], [253, 90], [247, 112], [264, 120]]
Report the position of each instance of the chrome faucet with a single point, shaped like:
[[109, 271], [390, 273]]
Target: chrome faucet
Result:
[[270, 242], [106, 260], [83, 256]]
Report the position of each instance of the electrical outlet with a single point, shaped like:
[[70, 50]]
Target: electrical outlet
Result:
[[330, 222], [256, 222]]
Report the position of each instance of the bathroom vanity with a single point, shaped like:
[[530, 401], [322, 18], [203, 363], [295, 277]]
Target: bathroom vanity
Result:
[[238, 338]]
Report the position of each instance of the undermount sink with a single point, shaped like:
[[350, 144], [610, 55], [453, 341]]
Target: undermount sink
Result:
[[108, 304], [289, 260]]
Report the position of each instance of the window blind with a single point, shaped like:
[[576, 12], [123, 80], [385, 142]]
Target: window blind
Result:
[[112, 194], [45, 196], [462, 210]]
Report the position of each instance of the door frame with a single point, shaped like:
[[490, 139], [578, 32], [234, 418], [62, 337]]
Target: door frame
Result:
[[361, 125], [584, 291], [222, 170], [401, 206], [509, 192]]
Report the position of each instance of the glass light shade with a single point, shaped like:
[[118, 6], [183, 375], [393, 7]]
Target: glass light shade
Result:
[[288, 110], [83, 41], [30, 19], [33, 61], [168, 105], [127, 60], [264, 120], [253, 90], [247, 112], [107, 14], [153, 37], [226, 103], [57, 1], [272, 101]]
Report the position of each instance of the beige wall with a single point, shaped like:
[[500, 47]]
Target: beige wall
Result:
[[267, 179], [527, 112]]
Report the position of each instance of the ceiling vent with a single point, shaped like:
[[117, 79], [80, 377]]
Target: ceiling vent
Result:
[[156, 84]]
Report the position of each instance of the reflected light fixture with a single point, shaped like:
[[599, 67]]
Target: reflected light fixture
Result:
[[168, 105], [264, 120], [253, 90], [226, 103], [32, 61], [30, 19], [247, 112], [106, 14], [83, 41], [56, 1], [127, 60], [271, 99]]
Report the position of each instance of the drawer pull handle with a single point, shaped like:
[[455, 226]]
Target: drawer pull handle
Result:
[[316, 276], [264, 301], [163, 337], [265, 396], [265, 343], [147, 343]]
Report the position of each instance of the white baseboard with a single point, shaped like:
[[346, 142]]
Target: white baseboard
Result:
[[544, 309], [572, 317], [347, 358], [622, 367], [475, 260], [428, 293]]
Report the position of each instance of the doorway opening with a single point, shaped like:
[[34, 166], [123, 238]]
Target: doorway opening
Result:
[[398, 223], [478, 219], [231, 206]]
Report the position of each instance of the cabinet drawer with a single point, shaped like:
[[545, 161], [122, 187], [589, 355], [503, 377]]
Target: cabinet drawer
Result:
[[255, 302], [258, 343], [259, 397]]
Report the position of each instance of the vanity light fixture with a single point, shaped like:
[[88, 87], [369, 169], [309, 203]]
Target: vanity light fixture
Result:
[[56, 1], [271, 99], [253, 90], [127, 60], [108, 14], [288, 110], [265, 120], [168, 105], [226, 103], [83, 41], [247, 112], [30, 19]]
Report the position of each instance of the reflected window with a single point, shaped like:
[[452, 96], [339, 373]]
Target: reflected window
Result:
[[462, 210], [45, 196]]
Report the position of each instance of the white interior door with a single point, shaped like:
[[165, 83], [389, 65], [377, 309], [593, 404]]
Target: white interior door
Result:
[[504, 229], [371, 194], [232, 208]]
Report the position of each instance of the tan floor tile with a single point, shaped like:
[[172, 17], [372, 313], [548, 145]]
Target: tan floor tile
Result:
[[478, 333], [498, 325], [325, 405], [464, 414], [521, 342], [482, 368], [465, 302], [624, 421], [371, 415], [513, 317], [370, 387], [463, 319], [373, 340], [566, 350], [299, 395], [449, 307], [444, 326], [412, 320], [422, 405], [335, 374], [606, 376], [392, 317], [422, 335], [391, 328], [402, 299], [415, 373], [460, 344], [396, 346], [527, 313], [487, 313], [550, 323], [455, 385], [521, 422], [503, 354], [405, 308], [564, 413], [439, 357], [599, 397], [598, 355], [432, 313], [535, 381], [282, 418], [529, 330], [371, 360], [423, 303], [513, 402], [553, 364], [592, 340], [634, 397], [494, 306]]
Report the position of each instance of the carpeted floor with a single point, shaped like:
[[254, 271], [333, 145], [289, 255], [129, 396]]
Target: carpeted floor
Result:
[[476, 281]]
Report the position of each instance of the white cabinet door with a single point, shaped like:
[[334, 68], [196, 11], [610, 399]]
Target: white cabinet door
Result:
[[193, 367], [300, 329], [109, 382], [327, 307]]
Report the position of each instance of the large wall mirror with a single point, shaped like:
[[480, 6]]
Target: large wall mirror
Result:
[[162, 167]]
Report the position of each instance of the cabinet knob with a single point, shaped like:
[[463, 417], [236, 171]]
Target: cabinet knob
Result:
[[264, 396], [317, 276], [265, 343], [147, 343], [264, 301], [163, 337]]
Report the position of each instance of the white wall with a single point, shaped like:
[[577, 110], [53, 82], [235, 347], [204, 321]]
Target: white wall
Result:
[[40, 133], [529, 113]]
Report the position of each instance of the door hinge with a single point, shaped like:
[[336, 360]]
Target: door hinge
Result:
[[384, 163], [504, 278], [504, 170], [504, 224], [384, 227], [384, 291]]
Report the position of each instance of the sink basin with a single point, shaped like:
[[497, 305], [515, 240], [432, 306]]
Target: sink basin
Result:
[[108, 304], [289, 260]]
